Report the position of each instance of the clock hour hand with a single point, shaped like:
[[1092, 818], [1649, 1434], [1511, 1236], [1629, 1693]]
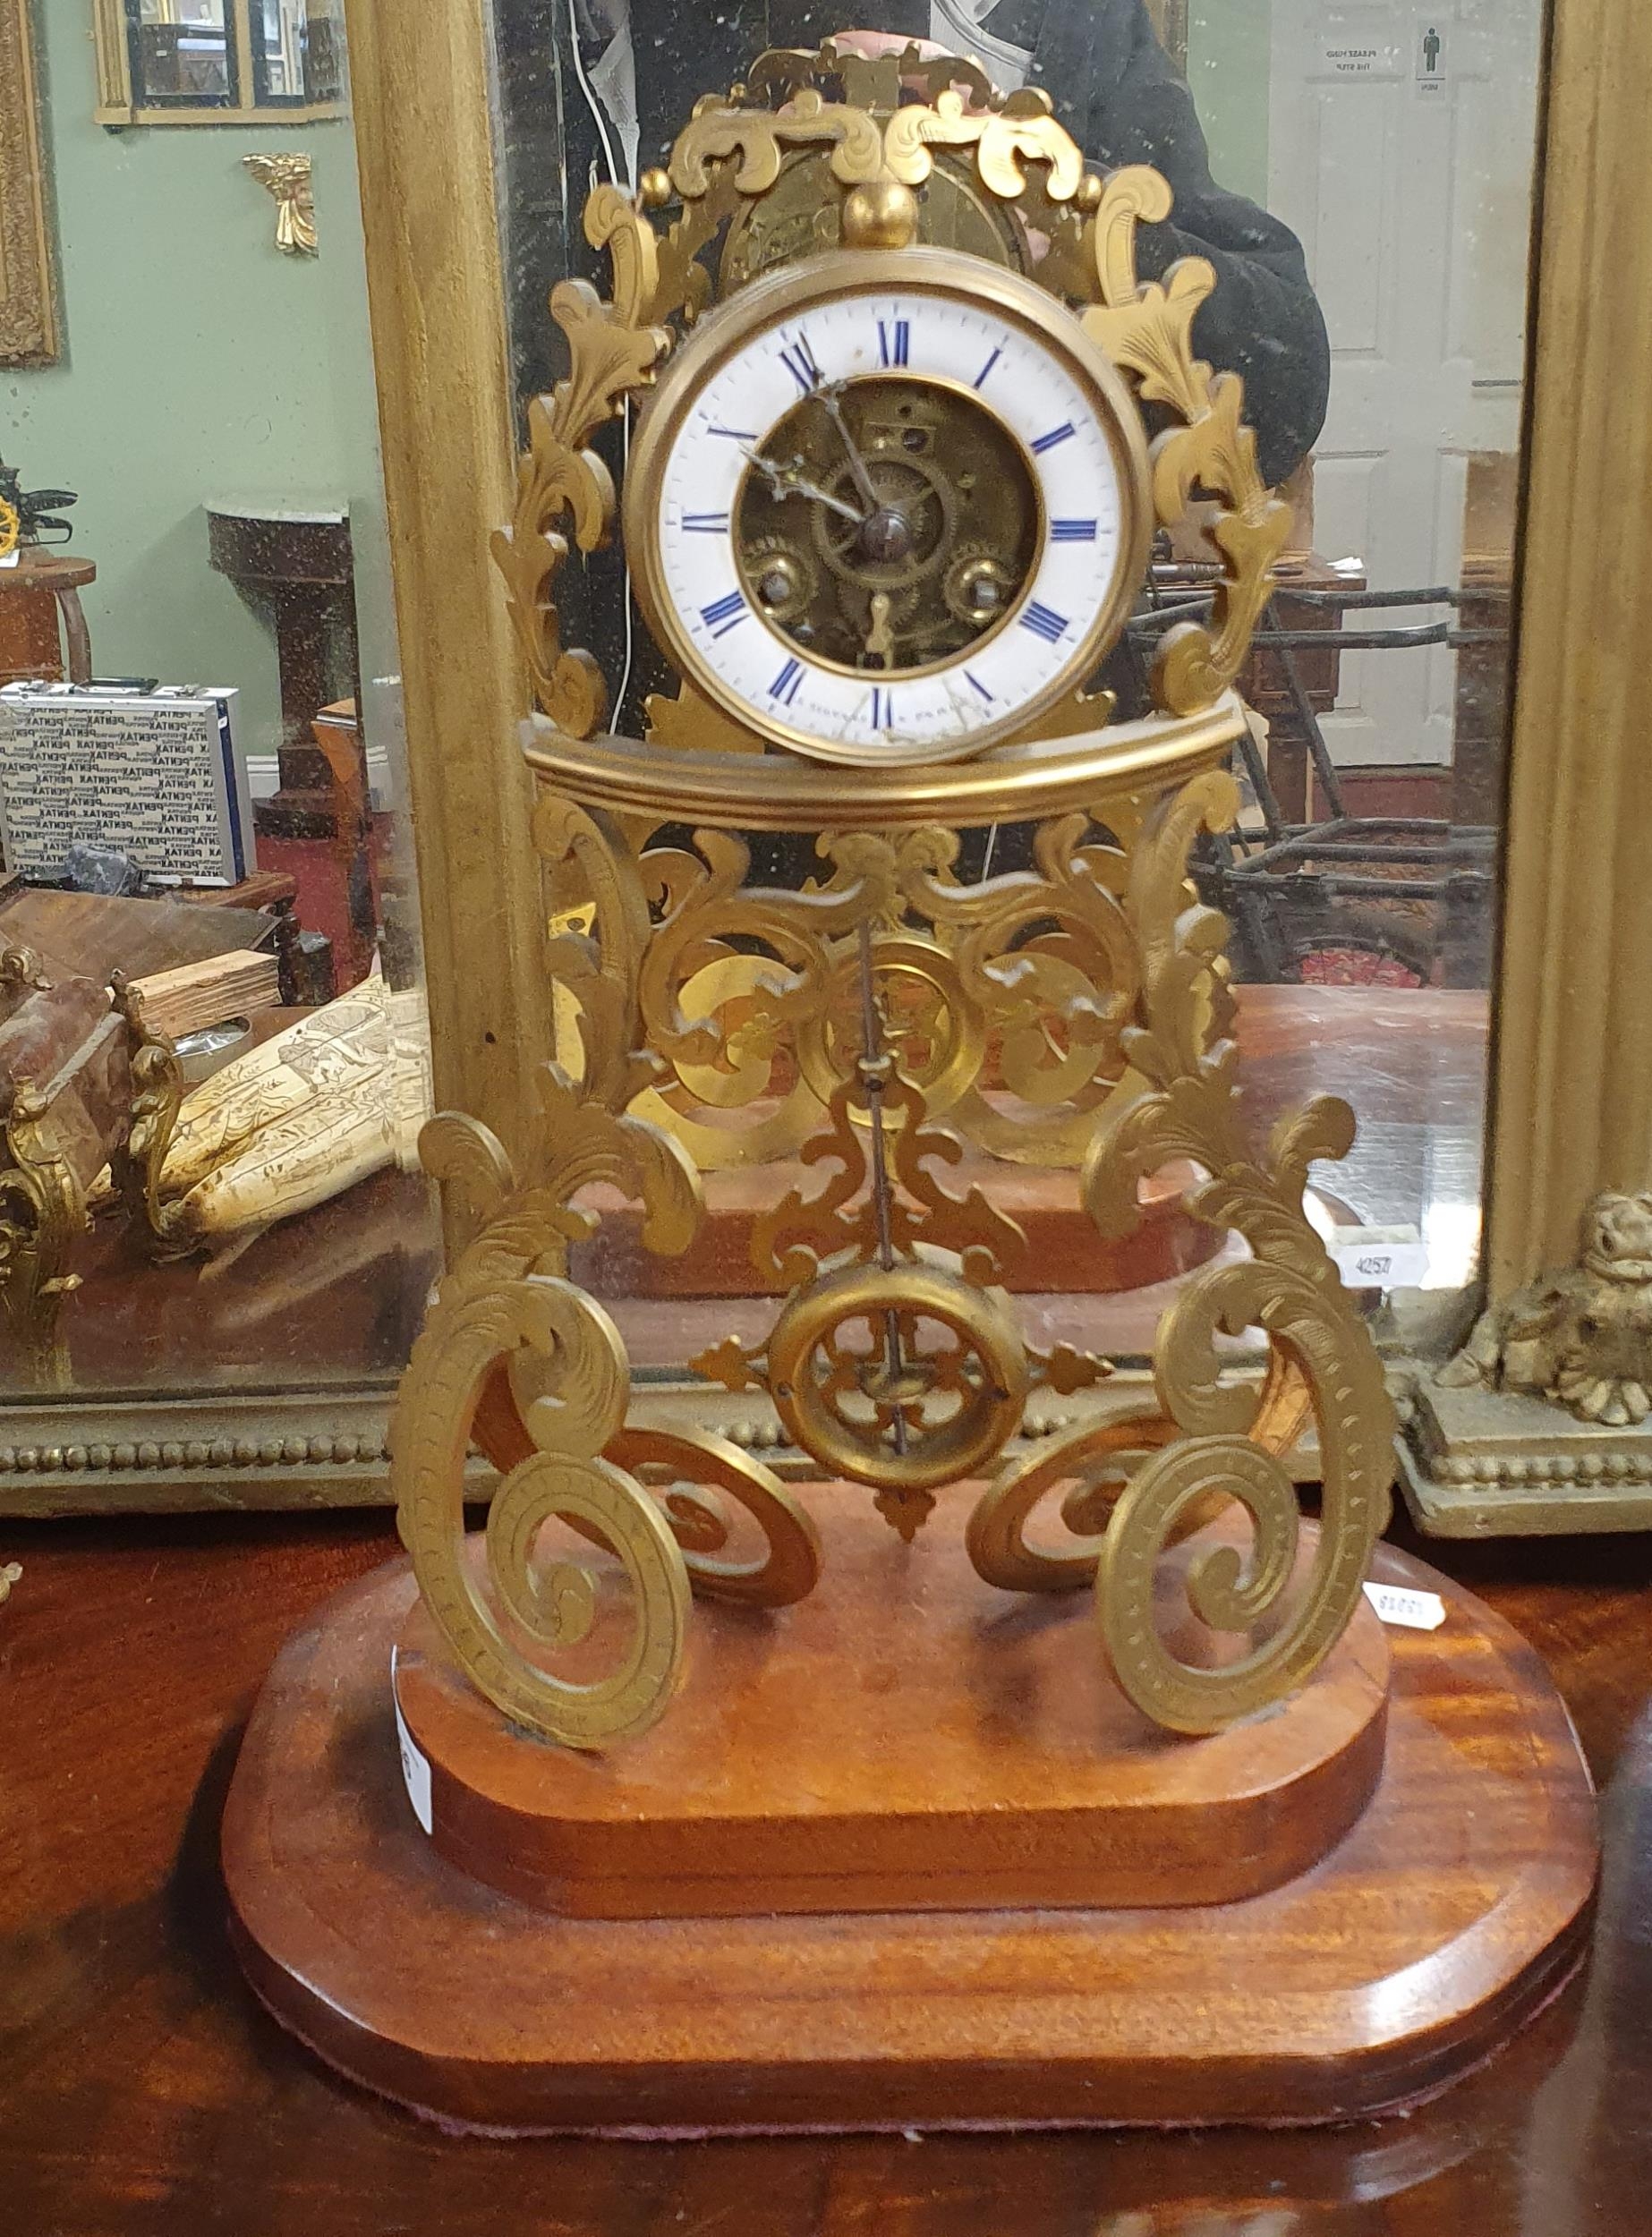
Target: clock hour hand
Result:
[[832, 399], [787, 482]]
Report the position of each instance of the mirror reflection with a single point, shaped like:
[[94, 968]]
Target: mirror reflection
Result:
[[214, 1059], [180, 61], [1359, 176]]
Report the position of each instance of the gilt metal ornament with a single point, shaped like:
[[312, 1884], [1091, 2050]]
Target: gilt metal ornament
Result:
[[288, 178], [1581, 1336]]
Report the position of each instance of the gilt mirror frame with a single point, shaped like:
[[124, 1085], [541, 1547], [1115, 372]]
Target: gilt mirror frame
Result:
[[1571, 1103]]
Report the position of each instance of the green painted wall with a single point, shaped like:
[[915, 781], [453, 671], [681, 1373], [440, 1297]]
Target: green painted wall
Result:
[[199, 363], [1229, 71]]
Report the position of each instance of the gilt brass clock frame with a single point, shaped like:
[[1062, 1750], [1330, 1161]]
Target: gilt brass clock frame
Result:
[[518, 1358]]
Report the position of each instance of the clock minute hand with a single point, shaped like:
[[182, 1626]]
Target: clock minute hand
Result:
[[787, 482], [834, 401]]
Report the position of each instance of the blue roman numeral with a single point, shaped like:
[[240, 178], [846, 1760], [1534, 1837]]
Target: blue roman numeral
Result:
[[1072, 532], [800, 361], [986, 368], [1051, 627], [725, 614], [784, 687], [705, 524], [894, 341], [975, 685], [883, 707], [1055, 435]]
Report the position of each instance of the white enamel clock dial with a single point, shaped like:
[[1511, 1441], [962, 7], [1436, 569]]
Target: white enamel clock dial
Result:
[[888, 507]]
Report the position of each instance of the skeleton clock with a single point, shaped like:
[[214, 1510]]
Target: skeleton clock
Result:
[[917, 1714], [888, 505]]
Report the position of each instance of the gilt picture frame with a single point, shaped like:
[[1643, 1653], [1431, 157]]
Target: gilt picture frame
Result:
[[29, 323]]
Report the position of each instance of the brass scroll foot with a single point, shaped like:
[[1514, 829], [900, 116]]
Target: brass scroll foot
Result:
[[517, 1360], [1322, 1361], [1134, 1484]]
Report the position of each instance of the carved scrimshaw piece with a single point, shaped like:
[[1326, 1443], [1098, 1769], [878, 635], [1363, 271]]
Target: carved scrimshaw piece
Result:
[[332, 1100]]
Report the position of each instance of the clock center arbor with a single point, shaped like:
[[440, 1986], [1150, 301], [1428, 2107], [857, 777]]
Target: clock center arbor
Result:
[[889, 497]]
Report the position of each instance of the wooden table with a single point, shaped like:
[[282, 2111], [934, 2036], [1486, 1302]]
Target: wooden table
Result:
[[29, 646], [143, 2094]]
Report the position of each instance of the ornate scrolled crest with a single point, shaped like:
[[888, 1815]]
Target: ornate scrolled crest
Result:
[[853, 116]]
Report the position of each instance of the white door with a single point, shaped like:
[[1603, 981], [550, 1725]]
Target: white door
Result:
[[1401, 151]]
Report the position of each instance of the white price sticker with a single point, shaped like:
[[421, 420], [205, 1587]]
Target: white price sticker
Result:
[[1375, 1258], [415, 1763], [1412, 1611]]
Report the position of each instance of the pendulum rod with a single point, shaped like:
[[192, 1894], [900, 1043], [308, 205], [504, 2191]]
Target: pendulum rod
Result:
[[874, 1073]]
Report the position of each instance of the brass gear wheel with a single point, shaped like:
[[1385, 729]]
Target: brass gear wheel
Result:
[[783, 579], [975, 570]]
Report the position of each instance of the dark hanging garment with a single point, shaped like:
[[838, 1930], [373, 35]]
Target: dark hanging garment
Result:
[[1118, 93]]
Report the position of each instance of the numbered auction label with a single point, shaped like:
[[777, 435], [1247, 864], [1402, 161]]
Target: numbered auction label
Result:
[[1377, 1258], [1411, 1611]]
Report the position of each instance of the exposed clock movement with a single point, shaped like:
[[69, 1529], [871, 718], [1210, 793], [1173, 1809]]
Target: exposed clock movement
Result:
[[890, 506]]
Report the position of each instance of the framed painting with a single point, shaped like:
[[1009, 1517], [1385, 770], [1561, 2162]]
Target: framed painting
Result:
[[28, 306]]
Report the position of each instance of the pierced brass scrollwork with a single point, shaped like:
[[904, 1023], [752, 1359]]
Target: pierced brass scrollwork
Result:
[[1005, 1000], [878, 1027], [1216, 1440], [1146, 328], [515, 1358]]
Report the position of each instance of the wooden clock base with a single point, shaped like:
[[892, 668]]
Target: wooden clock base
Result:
[[959, 1746]]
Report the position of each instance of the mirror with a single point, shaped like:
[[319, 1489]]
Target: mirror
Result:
[[1361, 176], [214, 1058], [205, 61]]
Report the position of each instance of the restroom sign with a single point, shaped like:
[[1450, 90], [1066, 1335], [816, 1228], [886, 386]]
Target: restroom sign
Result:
[[1433, 55]]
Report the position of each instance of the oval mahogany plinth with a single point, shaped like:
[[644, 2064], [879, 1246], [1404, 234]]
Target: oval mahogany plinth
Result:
[[907, 1739], [1455, 1907]]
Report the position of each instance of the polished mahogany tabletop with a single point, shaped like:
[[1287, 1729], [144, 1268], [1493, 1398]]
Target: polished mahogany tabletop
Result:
[[142, 2091]]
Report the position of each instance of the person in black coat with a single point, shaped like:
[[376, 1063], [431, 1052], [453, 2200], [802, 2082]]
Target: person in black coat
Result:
[[1118, 93]]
